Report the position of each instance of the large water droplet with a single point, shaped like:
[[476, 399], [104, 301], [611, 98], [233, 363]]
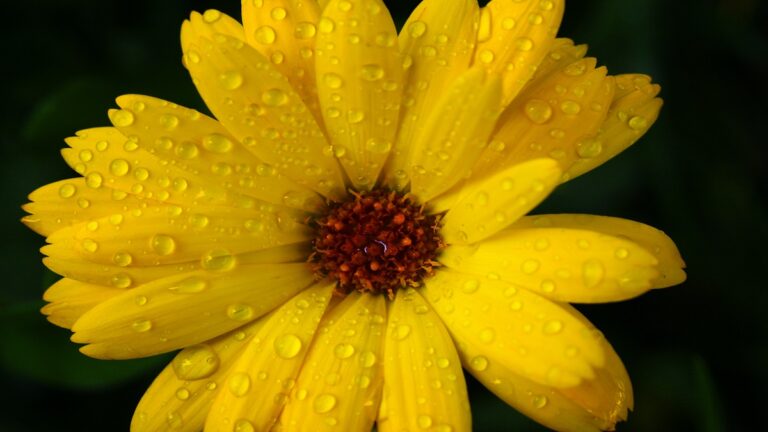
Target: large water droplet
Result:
[[195, 362], [324, 403], [287, 346]]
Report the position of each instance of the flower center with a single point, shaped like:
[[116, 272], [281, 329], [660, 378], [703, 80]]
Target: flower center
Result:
[[377, 242]]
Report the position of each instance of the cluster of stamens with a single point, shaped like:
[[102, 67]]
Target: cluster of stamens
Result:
[[376, 243]]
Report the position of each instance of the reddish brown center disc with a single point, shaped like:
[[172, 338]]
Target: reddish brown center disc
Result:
[[377, 242]]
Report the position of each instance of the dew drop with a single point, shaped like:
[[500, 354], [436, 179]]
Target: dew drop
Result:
[[265, 35], [372, 72], [401, 332], [333, 81], [324, 403], [67, 190], [190, 285], [239, 384], [570, 107], [344, 350], [538, 111], [217, 143], [592, 273], [417, 29], [122, 117], [122, 259], [305, 30], [231, 80], [239, 312], [218, 260], [210, 16], [524, 44], [552, 327], [119, 167], [479, 363], [141, 325], [274, 97], [244, 425], [638, 123], [287, 346], [163, 245], [195, 362]]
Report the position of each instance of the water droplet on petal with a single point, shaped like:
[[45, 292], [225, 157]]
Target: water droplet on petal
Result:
[[231, 80], [287, 346], [163, 245], [324, 403], [195, 362], [239, 384], [141, 326], [538, 111]]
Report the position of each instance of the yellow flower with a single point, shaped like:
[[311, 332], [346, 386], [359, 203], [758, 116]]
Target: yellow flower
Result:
[[349, 232]]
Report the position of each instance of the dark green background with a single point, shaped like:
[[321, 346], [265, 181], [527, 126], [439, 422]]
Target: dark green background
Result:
[[697, 353]]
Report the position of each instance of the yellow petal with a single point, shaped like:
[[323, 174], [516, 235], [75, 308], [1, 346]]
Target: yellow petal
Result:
[[670, 263], [490, 205], [561, 54], [514, 37], [564, 264], [69, 300], [454, 134], [595, 404], [609, 396], [437, 43], [181, 396], [123, 275], [284, 32], [500, 323], [118, 162], [171, 234], [423, 381], [359, 81], [70, 202], [633, 111], [553, 118], [258, 383], [208, 24], [340, 382], [258, 105], [186, 309], [166, 130]]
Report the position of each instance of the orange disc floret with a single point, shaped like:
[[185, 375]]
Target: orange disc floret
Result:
[[377, 242]]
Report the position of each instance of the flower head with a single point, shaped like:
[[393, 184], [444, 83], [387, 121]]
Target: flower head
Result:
[[350, 230]]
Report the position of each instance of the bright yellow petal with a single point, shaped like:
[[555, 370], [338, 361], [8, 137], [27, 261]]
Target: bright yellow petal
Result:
[[170, 234], [258, 105], [181, 396], [488, 206], [107, 158], [208, 24], [186, 309], [609, 396], [570, 265], [514, 37], [437, 43], [454, 134], [69, 300], [340, 383], [258, 383], [670, 263], [554, 118], [284, 32], [359, 80], [561, 54], [166, 130], [633, 111], [70, 202], [596, 404], [423, 381], [123, 275], [501, 323]]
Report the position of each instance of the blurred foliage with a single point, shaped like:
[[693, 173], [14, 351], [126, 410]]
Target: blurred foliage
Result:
[[697, 353]]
